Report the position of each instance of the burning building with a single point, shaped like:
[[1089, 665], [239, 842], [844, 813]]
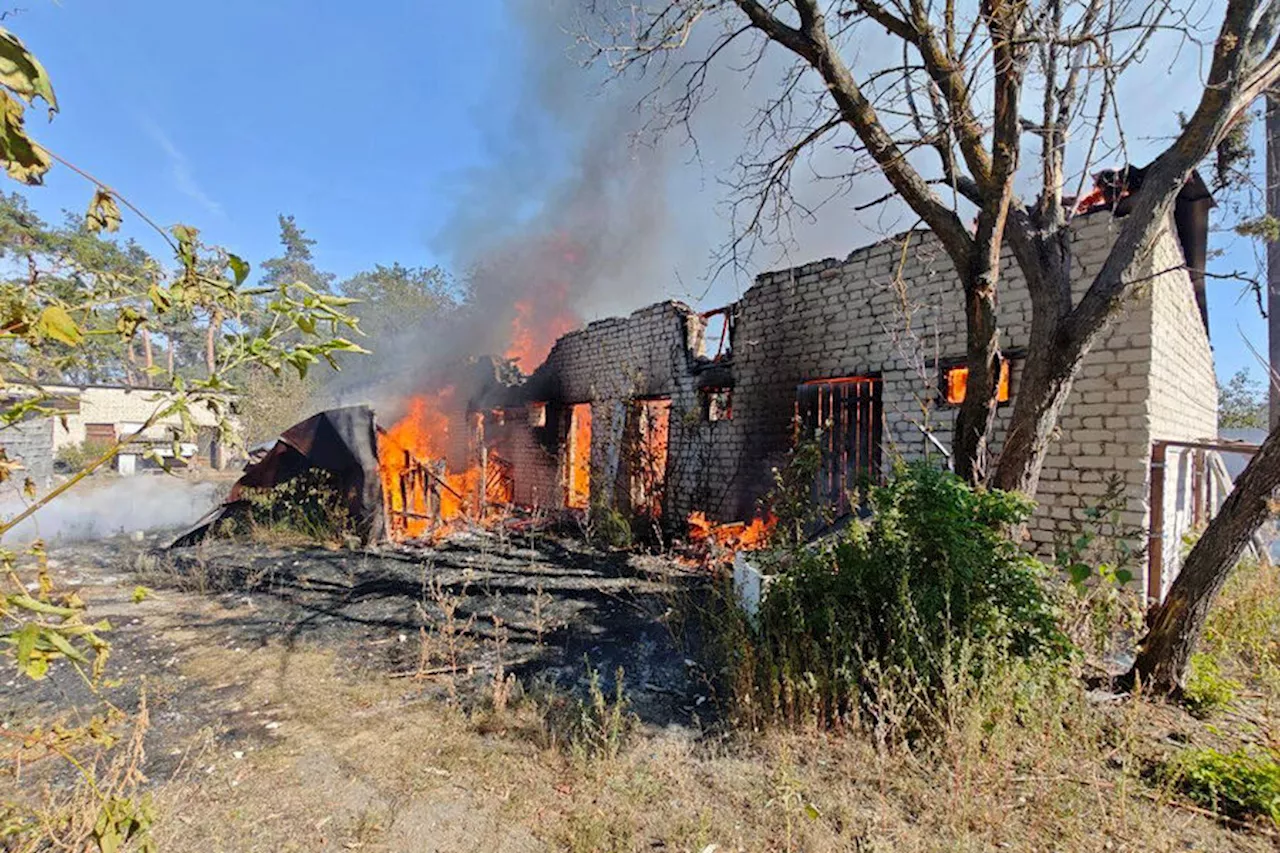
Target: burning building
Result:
[[669, 415]]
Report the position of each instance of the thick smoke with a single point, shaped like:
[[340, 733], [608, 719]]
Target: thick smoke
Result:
[[581, 214]]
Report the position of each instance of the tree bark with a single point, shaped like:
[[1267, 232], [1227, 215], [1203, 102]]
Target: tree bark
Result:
[[147, 359], [1273, 254], [1176, 625], [1044, 386], [210, 348], [977, 413]]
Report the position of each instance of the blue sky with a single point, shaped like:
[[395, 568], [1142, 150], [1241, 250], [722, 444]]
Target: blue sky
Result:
[[366, 122], [353, 118]]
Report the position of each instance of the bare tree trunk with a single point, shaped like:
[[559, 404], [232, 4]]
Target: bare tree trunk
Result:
[[210, 350], [1041, 241], [977, 413], [1176, 625], [1273, 252], [147, 360], [131, 363], [1044, 386], [173, 345]]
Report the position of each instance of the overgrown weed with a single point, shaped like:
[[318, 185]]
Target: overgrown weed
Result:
[[1207, 689], [306, 510], [1240, 784], [894, 625], [104, 808], [594, 728], [1242, 634], [1099, 561]]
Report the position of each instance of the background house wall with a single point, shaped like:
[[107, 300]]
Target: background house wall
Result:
[[119, 406], [37, 440]]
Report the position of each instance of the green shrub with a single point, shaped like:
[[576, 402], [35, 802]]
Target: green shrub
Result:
[[791, 499], [1207, 688], [897, 618], [1237, 784], [610, 528], [74, 458], [308, 507]]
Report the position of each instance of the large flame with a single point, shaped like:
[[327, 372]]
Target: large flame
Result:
[[423, 496], [544, 314], [432, 478], [536, 327]]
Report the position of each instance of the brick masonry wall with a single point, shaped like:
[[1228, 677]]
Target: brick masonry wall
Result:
[[889, 310], [892, 309], [1184, 399], [607, 363], [30, 443]]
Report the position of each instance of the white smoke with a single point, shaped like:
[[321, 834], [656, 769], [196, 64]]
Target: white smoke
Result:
[[95, 509]]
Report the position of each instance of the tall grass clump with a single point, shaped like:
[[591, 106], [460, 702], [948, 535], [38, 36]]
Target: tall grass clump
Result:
[[900, 619], [1243, 630], [307, 509]]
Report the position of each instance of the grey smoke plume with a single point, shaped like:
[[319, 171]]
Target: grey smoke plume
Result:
[[124, 505], [582, 214]]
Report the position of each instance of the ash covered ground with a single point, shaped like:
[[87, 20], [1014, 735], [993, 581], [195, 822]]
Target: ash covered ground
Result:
[[435, 621], [546, 607]]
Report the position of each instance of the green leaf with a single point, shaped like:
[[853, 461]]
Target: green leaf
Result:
[[344, 345], [26, 602], [22, 73], [104, 213], [61, 643], [56, 323], [37, 668], [186, 237], [1079, 573], [140, 594], [159, 297], [239, 268], [24, 160], [1123, 576], [27, 637]]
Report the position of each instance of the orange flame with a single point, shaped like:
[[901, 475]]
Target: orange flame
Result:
[[536, 327], [544, 314], [579, 458], [732, 536], [418, 486]]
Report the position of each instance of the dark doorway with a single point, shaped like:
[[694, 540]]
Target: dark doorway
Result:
[[846, 416]]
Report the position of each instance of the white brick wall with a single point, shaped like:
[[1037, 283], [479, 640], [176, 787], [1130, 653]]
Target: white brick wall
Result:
[[891, 309], [120, 407]]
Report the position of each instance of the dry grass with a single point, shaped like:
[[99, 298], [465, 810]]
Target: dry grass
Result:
[[309, 753], [354, 764]]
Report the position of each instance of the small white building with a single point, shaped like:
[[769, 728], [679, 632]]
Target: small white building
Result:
[[104, 414]]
